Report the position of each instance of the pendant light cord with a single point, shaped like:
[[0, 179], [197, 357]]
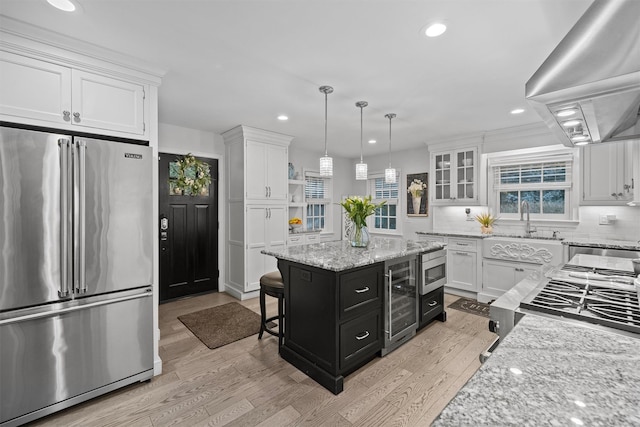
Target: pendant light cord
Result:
[[325, 123], [390, 116]]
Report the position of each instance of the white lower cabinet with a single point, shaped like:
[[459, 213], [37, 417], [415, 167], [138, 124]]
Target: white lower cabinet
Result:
[[303, 239], [462, 270], [266, 229], [507, 261], [462, 264], [500, 276]]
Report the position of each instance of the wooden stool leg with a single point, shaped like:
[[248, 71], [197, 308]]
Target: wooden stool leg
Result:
[[263, 314], [280, 320]]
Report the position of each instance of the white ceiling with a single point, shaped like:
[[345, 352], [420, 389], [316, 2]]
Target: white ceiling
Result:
[[231, 62]]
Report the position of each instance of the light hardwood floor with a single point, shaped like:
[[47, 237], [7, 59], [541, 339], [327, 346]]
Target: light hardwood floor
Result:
[[246, 383]]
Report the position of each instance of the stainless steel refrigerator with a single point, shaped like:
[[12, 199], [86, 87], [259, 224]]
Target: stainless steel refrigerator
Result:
[[75, 270]]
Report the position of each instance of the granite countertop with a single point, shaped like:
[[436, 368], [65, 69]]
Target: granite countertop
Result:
[[604, 243], [549, 371], [303, 231], [454, 234], [339, 255]]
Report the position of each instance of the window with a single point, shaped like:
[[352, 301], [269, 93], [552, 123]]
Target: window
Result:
[[317, 194], [543, 181], [386, 218]]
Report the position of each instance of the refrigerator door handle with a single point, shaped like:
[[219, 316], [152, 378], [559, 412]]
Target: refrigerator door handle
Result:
[[65, 232], [81, 220], [51, 313]]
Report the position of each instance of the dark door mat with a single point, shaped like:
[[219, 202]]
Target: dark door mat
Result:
[[223, 324], [472, 306]]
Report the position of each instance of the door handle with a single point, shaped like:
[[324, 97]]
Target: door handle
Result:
[[164, 226]]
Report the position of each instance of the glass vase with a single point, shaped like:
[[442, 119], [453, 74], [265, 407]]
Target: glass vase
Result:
[[359, 236]]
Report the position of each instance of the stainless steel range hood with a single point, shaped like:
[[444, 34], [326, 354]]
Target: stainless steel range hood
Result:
[[593, 76]]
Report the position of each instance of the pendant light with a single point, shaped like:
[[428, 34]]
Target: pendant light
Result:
[[326, 162], [390, 173], [361, 168]]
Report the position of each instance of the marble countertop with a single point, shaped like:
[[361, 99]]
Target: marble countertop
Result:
[[340, 256], [603, 243], [549, 371]]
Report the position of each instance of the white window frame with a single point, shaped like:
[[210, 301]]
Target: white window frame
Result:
[[523, 158], [398, 202], [327, 201]]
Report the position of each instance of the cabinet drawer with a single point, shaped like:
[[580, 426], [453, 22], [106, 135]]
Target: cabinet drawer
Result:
[[359, 291], [359, 338], [295, 240], [431, 305], [469, 245], [312, 238]]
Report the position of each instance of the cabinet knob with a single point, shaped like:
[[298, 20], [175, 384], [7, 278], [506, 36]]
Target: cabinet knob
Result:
[[76, 116], [66, 114]]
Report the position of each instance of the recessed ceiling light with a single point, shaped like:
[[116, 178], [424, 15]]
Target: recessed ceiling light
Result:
[[517, 111], [571, 123], [515, 371], [283, 118], [372, 141], [65, 5], [435, 30], [566, 112], [585, 142]]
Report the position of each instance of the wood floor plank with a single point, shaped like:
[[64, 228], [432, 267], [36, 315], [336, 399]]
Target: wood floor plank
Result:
[[246, 383]]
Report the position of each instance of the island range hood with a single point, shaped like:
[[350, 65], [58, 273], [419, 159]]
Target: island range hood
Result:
[[588, 89]]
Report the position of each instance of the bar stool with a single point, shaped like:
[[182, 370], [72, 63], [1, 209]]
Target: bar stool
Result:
[[271, 284]]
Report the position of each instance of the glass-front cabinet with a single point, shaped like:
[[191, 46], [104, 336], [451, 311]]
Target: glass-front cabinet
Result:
[[454, 177]]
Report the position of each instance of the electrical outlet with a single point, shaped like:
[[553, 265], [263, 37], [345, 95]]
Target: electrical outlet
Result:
[[604, 220]]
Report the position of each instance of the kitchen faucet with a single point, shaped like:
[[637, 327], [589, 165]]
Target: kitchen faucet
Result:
[[528, 228]]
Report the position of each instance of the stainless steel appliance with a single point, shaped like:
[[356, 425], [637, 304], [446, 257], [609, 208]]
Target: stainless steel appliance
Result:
[[595, 289], [433, 277], [400, 302], [433, 271], [601, 97], [75, 270]]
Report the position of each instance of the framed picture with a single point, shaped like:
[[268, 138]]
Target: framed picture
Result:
[[417, 194]]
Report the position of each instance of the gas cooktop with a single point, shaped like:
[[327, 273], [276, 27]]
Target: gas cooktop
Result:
[[600, 296]]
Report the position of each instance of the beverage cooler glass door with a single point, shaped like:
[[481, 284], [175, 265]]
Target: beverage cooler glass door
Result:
[[402, 297], [31, 248]]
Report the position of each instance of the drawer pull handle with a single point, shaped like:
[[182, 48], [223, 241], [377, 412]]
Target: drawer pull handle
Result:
[[365, 289], [433, 303], [363, 336]]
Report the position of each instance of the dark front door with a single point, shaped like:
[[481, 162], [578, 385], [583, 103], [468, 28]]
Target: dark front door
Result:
[[188, 235]]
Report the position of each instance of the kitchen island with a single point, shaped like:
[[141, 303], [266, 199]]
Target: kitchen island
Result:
[[334, 296]]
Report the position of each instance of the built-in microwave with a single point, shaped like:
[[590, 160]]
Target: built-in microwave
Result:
[[434, 271]]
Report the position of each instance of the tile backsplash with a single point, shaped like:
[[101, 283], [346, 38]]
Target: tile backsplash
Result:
[[626, 225]]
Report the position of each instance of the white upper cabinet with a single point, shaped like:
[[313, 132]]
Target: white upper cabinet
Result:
[[42, 93], [34, 89], [607, 173], [267, 166], [105, 103], [454, 177]]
